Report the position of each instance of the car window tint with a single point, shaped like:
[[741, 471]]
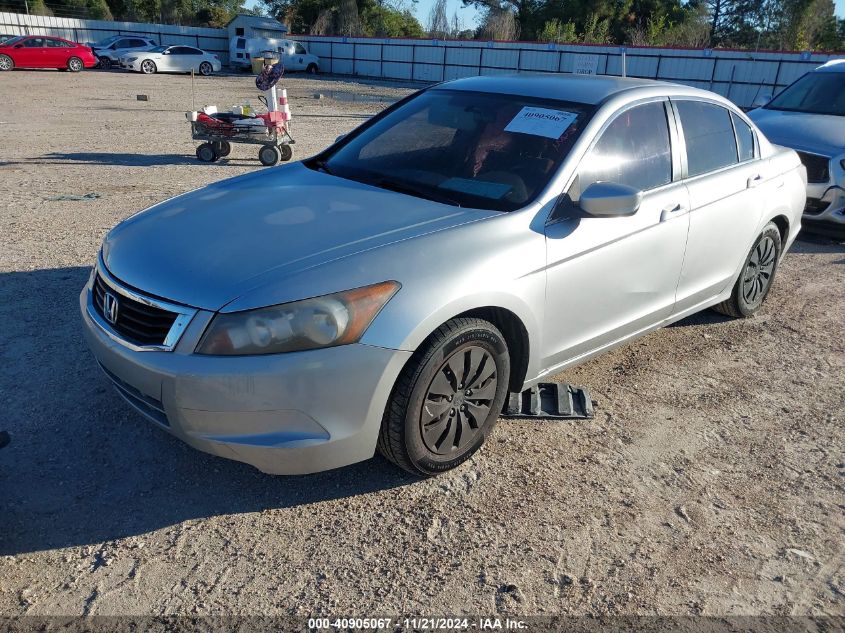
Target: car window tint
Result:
[[633, 150], [34, 42], [709, 136], [744, 137], [300, 49]]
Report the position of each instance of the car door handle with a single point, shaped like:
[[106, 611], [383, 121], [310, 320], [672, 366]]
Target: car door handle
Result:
[[754, 181], [670, 210]]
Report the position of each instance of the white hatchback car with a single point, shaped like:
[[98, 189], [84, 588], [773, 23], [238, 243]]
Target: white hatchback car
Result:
[[172, 59]]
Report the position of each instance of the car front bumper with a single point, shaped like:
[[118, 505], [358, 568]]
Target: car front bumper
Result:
[[136, 65], [825, 204], [292, 413]]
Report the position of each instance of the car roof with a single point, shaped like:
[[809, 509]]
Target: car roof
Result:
[[587, 89]]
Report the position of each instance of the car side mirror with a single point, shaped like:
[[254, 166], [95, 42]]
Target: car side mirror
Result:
[[610, 199]]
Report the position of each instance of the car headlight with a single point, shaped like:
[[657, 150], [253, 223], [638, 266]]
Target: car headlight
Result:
[[327, 321]]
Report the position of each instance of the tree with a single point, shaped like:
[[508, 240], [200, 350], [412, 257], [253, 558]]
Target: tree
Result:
[[438, 23]]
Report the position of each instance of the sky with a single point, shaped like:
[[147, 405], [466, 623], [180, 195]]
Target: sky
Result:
[[469, 15]]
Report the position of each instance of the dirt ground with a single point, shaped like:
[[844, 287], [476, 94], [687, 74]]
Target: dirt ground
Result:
[[710, 481]]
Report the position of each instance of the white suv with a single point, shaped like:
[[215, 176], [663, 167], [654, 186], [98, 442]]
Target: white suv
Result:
[[809, 117], [110, 54]]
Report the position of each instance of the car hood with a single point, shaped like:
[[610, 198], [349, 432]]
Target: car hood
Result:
[[816, 133], [210, 246]]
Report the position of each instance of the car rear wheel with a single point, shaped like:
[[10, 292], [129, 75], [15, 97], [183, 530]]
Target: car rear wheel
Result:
[[447, 398], [756, 277], [105, 63], [312, 69], [148, 67], [74, 64], [6, 62], [206, 69]]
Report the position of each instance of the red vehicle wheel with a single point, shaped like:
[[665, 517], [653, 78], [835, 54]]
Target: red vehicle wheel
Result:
[[6, 62]]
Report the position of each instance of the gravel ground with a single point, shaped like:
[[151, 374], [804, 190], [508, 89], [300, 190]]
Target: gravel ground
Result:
[[710, 481]]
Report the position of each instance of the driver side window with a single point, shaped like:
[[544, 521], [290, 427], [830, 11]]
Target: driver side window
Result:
[[633, 150]]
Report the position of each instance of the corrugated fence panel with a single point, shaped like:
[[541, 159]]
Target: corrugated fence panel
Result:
[[398, 53], [460, 56], [539, 60], [499, 58]]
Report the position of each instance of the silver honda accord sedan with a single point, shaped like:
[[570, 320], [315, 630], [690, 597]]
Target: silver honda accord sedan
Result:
[[468, 241]]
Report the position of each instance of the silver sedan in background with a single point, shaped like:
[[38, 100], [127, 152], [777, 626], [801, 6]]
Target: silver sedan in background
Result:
[[171, 59], [468, 241]]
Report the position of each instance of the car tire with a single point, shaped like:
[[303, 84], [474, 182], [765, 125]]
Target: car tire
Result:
[[269, 155], [105, 63], [222, 148], [757, 276], [206, 69], [286, 152], [148, 67], [74, 64], [6, 63], [433, 420], [206, 153], [312, 69]]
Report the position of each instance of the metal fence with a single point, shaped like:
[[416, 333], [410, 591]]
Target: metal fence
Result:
[[742, 76], [212, 40], [739, 75]]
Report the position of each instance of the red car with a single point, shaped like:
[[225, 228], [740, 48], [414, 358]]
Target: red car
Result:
[[41, 51]]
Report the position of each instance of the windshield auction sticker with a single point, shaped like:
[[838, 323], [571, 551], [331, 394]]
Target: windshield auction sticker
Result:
[[541, 122]]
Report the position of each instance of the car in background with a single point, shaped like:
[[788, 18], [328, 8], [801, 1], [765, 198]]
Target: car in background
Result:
[[171, 59], [110, 54], [41, 51], [464, 243], [809, 117], [294, 54]]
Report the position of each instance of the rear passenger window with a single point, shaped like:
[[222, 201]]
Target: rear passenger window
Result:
[[709, 135], [744, 138], [633, 150]]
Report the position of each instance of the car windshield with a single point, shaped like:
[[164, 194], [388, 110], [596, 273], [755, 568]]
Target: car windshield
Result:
[[468, 149], [814, 93]]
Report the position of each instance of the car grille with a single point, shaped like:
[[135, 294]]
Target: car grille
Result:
[[147, 406], [818, 167], [137, 322], [815, 206]]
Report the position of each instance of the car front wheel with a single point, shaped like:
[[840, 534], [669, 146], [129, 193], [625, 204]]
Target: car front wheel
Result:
[[148, 67], [6, 62], [447, 398], [74, 64], [312, 69], [756, 277]]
